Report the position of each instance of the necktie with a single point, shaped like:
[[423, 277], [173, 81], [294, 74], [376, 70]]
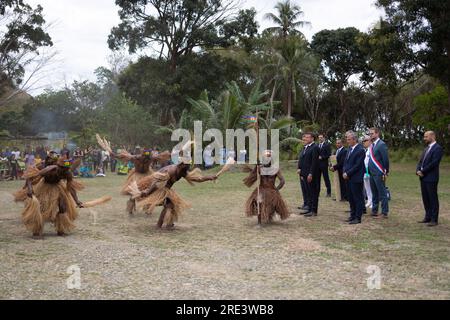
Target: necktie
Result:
[[349, 153], [304, 149], [425, 156]]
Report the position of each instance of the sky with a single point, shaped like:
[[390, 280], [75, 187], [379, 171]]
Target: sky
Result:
[[80, 29]]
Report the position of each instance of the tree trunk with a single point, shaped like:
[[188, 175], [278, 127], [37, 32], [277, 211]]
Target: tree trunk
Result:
[[289, 102], [173, 61], [342, 121]]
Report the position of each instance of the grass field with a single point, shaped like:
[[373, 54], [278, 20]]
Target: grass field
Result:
[[217, 253]]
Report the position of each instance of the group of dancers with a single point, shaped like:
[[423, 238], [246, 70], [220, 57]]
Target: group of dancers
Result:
[[50, 191]]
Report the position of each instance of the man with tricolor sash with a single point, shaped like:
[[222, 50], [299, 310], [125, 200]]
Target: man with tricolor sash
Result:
[[378, 170]]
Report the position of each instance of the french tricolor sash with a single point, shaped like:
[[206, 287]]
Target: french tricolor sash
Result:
[[376, 162]]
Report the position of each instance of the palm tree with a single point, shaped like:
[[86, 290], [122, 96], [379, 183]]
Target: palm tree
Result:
[[228, 111], [286, 19], [289, 63]]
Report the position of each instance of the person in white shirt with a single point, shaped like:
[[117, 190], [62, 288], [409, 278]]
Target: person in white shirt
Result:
[[367, 143]]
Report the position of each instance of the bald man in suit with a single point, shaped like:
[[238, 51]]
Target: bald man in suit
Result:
[[428, 172]]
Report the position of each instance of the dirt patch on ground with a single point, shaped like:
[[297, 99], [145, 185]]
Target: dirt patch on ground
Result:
[[217, 253]]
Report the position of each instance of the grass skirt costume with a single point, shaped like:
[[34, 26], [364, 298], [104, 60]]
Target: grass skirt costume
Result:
[[162, 195], [45, 205], [269, 199]]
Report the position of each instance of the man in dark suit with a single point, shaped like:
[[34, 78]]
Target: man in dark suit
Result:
[[354, 170], [324, 160], [378, 170], [428, 171], [303, 189], [308, 169], [341, 154]]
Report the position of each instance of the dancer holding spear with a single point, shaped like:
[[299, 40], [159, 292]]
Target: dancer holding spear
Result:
[[265, 201]]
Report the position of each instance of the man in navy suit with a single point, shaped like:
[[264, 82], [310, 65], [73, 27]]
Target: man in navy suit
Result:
[[378, 170], [428, 171], [354, 170], [324, 160], [308, 169], [341, 154]]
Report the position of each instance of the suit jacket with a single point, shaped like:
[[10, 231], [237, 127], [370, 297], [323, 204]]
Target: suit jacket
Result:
[[430, 165], [381, 154], [354, 164], [308, 162], [340, 159], [325, 153]]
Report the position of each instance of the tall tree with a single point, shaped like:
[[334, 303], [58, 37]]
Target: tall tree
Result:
[[341, 58], [286, 20], [176, 27], [424, 26], [22, 34]]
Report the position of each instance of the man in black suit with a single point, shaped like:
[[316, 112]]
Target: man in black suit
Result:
[[341, 154], [354, 170], [428, 171], [308, 169], [324, 160]]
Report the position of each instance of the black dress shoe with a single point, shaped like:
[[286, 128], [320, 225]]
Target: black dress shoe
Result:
[[424, 221], [311, 214], [432, 224], [303, 212], [355, 221]]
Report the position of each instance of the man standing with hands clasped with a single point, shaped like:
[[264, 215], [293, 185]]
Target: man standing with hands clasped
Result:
[[354, 174], [324, 161], [378, 170], [308, 169], [428, 171]]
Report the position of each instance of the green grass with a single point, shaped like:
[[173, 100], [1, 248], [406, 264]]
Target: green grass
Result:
[[216, 252]]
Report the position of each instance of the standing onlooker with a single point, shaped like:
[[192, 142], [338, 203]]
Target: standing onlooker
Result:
[[40, 151], [367, 143], [378, 170], [7, 153], [96, 158], [14, 165], [303, 184], [105, 160], [324, 160], [308, 169], [428, 171], [29, 160], [208, 157], [78, 154], [354, 174], [16, 153], [113, 162], [341, 154], [65, 151], [4, 166]]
